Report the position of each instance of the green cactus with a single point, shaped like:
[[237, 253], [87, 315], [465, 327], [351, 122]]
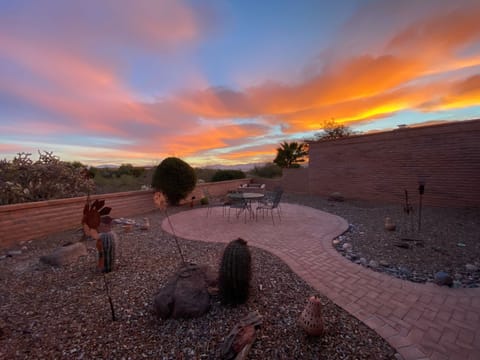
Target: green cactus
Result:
[[235, 273]]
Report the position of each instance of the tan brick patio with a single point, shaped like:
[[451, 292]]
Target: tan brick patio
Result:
[[421, 321]]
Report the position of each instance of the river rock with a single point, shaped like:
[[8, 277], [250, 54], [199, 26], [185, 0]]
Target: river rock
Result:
[[404, 271], [471, 267], [336, 196], [443, 278]]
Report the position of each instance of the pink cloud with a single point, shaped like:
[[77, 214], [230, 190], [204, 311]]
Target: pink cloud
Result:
[[80, 25]]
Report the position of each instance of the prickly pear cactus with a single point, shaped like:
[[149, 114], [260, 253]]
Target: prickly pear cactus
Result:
[[235, 273]]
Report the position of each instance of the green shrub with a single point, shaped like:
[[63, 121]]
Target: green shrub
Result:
[[223, 175], [205, 174], [204, 201], [175, 178], [267, 171]]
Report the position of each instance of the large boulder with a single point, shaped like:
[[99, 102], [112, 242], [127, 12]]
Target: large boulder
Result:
[[185, 295], [65, 255]]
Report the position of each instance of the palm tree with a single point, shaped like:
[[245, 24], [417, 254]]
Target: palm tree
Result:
[[289, 155]]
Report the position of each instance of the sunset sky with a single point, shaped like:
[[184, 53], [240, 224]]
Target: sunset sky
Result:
[[225, 82]]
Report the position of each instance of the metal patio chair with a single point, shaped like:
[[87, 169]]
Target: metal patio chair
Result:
[[271, 203], [215, 201], [240, 205]]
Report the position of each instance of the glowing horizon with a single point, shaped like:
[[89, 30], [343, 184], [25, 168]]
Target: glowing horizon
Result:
[[225, 83]]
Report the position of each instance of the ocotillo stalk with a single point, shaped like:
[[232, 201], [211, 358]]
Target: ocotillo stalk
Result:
[[421, 190], [109, 297], [175, 237]]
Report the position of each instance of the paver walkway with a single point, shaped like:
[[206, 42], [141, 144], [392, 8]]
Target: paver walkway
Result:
[[421, 321]]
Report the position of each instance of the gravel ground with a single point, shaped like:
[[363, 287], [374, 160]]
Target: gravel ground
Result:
[[448, 240], [48, 312]]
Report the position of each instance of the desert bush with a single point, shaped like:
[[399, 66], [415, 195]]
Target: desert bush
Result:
[[223, 175], [175, 178], [25, 180], [267, 171], [205, 174]]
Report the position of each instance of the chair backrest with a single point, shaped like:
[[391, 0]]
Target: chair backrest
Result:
[[276, 197], [206, 193]]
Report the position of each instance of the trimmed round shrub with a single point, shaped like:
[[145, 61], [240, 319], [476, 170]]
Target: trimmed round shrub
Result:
[[175, 178]]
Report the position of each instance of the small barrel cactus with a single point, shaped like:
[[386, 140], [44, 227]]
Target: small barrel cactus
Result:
[[106, 251], [235, 273]]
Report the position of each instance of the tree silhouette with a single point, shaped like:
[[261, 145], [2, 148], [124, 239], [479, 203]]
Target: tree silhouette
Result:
[[332, 131]]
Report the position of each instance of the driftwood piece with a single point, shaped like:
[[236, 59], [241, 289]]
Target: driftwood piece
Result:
[[241, 335], [242, 355], [409, 243], [402, 245], [440, 250]]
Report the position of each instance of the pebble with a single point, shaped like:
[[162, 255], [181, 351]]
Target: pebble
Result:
[[346, 246], [457, 284], [471, 267], [335, 241], [14, 252], [373, 264], [384, 263], [363, 261]]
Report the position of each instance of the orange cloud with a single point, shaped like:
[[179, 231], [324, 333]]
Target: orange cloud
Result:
[[365, 86], [267, 155], [205, 139]]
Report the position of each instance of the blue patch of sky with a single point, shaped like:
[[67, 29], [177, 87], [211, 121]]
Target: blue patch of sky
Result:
[[152, 76], [272, 37]]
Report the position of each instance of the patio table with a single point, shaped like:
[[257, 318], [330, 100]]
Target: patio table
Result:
[[248, 197]]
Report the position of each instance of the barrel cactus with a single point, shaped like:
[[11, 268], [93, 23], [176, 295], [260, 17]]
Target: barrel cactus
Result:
[[235, 273], [106, 251]]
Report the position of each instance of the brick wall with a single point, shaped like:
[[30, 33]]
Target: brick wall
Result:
[[292, 181], [22, 222], [381, 166]]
